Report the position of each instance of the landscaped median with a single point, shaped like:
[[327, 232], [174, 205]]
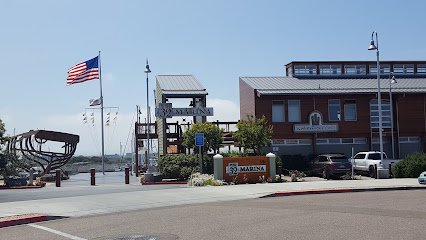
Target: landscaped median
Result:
[[22, 219]]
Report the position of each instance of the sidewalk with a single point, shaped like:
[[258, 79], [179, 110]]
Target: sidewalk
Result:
[[143, 199]]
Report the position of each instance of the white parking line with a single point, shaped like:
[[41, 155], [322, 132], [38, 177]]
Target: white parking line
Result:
[[57, 232]]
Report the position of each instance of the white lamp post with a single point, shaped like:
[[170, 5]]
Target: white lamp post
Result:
[[392, 80], [147, 71], [379, 98]]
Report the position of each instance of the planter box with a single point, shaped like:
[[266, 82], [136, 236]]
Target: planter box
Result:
[[15, 181]]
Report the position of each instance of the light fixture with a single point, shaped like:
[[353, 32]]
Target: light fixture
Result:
[[148, 120], [147, 70], [375, 46]]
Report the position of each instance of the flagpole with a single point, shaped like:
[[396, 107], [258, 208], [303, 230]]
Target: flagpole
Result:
[[102, 114]]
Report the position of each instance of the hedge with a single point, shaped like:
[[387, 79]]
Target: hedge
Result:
[[411, 166], [181, 166]]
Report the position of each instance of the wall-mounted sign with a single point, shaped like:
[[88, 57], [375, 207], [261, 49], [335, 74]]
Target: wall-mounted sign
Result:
[[165, 110], [315, 125]]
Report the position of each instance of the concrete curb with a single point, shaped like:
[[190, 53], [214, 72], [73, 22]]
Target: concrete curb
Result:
[[163, 183], [22, 219], [18, 187], [342, 190]]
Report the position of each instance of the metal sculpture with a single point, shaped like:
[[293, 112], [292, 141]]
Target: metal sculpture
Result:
[[26, 144]]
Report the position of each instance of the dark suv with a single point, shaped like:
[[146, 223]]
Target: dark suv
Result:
[[329, 165]]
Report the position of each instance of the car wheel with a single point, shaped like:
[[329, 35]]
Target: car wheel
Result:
[[325, 174], [371, 172]]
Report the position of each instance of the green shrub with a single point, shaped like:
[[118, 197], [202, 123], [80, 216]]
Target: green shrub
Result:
[[234, 153], [278, 165], [181, 166], [411, 166]]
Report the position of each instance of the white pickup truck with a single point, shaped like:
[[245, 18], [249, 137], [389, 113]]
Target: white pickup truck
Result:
[[365, 161]]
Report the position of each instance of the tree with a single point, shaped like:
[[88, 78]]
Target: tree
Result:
[[253, 133], [3, 157], [2, 131], [10, 164], [212, 136]]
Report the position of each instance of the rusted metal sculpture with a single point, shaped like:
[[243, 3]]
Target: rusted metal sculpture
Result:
[[26, 144]]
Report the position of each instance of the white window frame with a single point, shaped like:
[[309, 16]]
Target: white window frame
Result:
[[384, 69], [330, 69], [355, 69], [403, 68], [422, 68], [331, 141], [374, 114], [409, 139], [278, 142], [305, 70]]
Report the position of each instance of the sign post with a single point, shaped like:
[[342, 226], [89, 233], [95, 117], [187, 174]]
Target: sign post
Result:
[[199, 142]]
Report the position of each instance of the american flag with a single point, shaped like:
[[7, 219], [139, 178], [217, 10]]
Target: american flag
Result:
[[84, 71]]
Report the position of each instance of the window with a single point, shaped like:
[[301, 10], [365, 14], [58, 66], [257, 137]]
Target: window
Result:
[[355, 69], [360, 156], [305, 141], [374, 114], [347, 140], [294, 110], [403, 68], [376, 156], [409, 139], [324, 141], [305, 70], [330, 70], [384, 69], [421, 68], [339, 159], [350, 110], [334, 140], [277, 111], [334, 110], [291, 141], [360, 140]]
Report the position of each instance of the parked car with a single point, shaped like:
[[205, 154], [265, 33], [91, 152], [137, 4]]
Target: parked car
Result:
[[366, 161], [422, 178], [330, 165]]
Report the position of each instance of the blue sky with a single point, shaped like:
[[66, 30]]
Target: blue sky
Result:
[[216, 41]]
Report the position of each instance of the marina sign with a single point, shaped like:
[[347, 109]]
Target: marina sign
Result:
[[166, 111]]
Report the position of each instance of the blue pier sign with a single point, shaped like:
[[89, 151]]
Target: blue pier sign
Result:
[[199, 139]]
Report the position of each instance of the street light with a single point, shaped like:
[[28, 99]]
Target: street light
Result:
[[147, 71], [379, 98], [392, 80]]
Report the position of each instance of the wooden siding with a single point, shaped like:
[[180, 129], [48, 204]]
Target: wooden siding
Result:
[[410, 111], [247, 99]]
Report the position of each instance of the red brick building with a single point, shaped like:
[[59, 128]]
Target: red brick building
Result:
[[321, 107]]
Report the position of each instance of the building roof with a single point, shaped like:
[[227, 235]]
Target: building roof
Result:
[[180, 85], [291, 85], [355, 62]]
